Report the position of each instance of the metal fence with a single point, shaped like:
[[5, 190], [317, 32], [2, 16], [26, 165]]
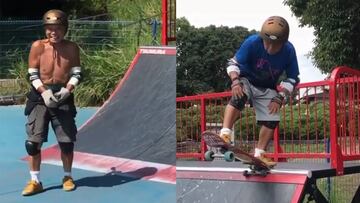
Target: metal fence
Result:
[[16, 37]]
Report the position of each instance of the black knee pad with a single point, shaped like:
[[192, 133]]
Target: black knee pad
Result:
[[238, 103], [269, 124], [66, 147], [32, 148]]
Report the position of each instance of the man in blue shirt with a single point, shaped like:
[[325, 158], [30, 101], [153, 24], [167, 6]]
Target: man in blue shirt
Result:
[[254, 72]]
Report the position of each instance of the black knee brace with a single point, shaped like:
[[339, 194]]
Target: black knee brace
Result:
[[32, 148], [66, 147], [238, 103], [269, 124]]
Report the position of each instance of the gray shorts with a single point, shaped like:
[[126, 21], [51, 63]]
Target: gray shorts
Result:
[[62, 122], [260, 98]]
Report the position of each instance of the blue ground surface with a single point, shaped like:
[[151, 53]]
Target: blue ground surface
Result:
[[92, 187]]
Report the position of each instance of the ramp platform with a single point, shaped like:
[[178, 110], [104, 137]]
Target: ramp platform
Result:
[[220, 181]]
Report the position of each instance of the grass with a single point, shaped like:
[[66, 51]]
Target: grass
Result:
[[342, 188], [11, 87]]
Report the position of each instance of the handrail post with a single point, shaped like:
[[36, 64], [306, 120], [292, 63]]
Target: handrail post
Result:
[[335, 152], [276, 144], [164, 28], [202, 125]]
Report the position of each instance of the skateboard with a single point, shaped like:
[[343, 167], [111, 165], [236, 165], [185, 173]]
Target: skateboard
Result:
[[219, 148]]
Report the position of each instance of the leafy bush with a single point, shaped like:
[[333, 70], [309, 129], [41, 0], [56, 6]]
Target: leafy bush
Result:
[[102, 71]]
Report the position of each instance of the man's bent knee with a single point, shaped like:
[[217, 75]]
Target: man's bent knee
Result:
[[66, 147], [269, 124], [238, 103], [32, 148]]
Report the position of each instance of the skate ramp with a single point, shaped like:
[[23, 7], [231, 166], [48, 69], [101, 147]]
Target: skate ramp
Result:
[[138, 122]]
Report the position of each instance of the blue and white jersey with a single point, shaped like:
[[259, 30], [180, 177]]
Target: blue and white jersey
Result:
[[263, 69]]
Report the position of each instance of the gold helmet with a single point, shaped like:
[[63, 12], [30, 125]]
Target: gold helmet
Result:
[[55, 17], [275, 28]]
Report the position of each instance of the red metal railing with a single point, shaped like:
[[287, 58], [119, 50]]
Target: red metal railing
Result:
[[168, 30], [344, 116], [321, 121]]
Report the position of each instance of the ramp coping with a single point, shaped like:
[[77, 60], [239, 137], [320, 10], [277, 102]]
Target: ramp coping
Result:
[[221, 169]]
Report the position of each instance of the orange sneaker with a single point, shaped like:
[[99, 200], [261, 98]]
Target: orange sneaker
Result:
[[68, 183], [32, 187], [226, 138], [268, 161]]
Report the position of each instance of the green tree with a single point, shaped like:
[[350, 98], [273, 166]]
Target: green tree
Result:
[[202, 56], [337, 30]]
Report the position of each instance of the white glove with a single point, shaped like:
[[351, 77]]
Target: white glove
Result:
[[62, 94], [49, 98]]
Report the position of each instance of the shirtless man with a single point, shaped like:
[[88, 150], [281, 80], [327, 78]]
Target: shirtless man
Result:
[[54, 71]]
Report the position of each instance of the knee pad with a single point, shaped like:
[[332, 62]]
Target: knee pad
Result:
[[66, 147], [238, 103], [32, 148], [269, 124]]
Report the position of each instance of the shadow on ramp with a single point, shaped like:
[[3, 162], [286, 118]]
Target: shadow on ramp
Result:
[[111, 179]]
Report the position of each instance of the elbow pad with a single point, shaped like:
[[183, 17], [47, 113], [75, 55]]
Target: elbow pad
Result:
[[232, 66], [288, 85], [34, 77], [76, 76]]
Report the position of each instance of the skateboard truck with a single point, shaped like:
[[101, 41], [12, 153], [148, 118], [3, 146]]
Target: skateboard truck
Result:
[[211, 155], [256, 171]]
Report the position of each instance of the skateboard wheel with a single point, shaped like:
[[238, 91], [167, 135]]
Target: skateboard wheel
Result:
[[229, 156], [263, 173], [246, 173], [209, 156]]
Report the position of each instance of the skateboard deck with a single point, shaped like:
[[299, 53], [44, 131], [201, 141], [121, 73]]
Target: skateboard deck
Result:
[[219, 148]]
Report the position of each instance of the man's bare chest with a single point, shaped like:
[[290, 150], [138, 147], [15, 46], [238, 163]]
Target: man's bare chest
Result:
[[55, 59]]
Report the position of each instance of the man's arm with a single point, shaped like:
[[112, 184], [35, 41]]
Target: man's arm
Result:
[[34, 74], [287, 86], [34, 66], [75, 71], [233, 71], [75, 75]]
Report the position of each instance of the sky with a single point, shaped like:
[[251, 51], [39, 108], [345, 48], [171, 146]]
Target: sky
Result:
[[251, 14]]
